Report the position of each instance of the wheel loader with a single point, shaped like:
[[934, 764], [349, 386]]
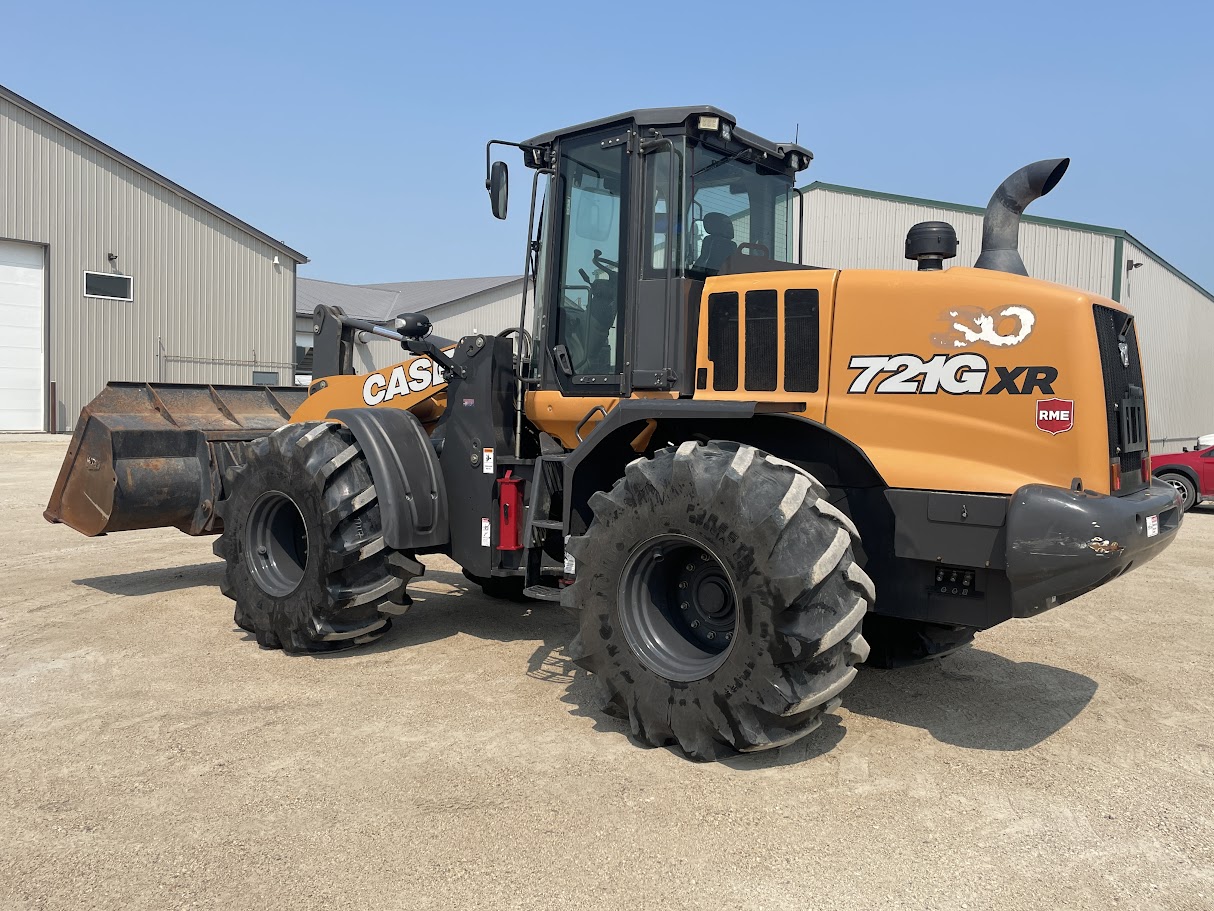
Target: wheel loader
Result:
[[744, 474]]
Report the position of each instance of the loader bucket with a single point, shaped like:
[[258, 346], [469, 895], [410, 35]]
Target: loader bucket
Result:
[[148, 455]]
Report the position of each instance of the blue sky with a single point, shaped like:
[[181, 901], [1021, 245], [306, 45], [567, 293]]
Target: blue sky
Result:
[[355, 132]]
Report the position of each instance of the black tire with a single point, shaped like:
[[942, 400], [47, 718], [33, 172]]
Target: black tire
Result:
[[769, 568], [306, 560], [502, 588], [1185, 487], [894, 642]]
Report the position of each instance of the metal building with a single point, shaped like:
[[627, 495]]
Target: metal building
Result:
[[851, 228], [456, 307], [110, 271]]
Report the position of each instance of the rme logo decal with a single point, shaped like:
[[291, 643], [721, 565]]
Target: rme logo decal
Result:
[[958, 374], [415, 376]]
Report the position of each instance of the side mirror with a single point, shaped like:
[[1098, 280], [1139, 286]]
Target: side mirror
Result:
[[498, 186]]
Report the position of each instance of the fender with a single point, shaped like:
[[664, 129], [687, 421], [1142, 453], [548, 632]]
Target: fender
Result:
[[407, 476], [771, 426]]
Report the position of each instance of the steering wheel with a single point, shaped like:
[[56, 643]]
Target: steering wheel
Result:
[[759, 250], [607, 265]]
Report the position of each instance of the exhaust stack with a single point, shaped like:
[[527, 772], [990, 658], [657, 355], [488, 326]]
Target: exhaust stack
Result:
[[1001, 223]]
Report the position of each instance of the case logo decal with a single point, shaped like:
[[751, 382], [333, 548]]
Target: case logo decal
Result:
[[1055, 416], [956, 374], [417, 375], [1001, 327]]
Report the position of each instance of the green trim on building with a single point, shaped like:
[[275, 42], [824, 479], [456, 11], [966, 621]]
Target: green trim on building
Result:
[[1119, 235], [1118, 267]]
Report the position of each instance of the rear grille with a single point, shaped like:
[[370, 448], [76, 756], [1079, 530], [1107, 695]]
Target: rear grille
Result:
[[1125, 408]]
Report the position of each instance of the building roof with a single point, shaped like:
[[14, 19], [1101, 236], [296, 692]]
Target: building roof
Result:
[[1120, 235], [384, 301], [175, 188]]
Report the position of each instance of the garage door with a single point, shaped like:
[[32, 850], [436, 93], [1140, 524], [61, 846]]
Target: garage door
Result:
[[22, 300]]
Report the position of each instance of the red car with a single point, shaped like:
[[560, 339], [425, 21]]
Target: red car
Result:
[[1191, 472]]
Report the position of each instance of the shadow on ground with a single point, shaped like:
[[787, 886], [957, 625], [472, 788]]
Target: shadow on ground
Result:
[[974, 699], [153, 581]]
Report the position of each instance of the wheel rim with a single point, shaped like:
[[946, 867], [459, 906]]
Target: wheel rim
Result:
[[1180, 487], [276, 544], [677, 607]]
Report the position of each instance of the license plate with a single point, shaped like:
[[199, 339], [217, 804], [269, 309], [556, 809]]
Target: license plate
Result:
[[1152, 526]]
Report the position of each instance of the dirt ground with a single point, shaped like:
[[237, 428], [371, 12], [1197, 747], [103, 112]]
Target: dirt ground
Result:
[[154, 757]]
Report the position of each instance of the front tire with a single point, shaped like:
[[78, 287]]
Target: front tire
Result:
[[719, 600], [1185, 487], [306, 560]]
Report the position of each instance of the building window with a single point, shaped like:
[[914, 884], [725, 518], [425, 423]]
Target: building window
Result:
[[265, 378], [109, 286]]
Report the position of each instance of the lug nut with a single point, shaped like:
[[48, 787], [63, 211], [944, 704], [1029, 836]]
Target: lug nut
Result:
[[728, 637], [684, 606], [695, 624], [683, 584], [691, 567], [704, 557], [711, 634], [262, 550]]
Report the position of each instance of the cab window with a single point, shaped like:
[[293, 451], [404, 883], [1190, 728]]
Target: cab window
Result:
[[589, 313]]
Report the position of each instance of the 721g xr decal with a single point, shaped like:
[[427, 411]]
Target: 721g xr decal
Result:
[[957, 374]]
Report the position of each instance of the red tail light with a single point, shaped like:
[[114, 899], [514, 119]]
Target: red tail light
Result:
[[1146, 469], [1115, 476]]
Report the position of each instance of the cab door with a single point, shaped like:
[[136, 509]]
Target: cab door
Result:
[[587, 303], [583, 359]]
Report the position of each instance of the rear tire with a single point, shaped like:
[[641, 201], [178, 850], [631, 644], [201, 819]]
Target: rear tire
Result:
[[894, 642], [1185, 487], [306, 560], [719, 600]]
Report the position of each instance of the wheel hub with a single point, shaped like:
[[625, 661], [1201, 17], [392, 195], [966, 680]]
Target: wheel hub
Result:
[[677, 607], [276, 544]]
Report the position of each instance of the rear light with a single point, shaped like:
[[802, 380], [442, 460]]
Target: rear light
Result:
[[1115, 476], [1146, 469]]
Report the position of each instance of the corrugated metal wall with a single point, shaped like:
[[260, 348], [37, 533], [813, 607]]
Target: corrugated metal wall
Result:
[[1176, 331], [488, 312], [850, 231], [209, 303]]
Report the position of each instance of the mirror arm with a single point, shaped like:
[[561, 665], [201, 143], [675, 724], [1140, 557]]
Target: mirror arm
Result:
[[489, 153]]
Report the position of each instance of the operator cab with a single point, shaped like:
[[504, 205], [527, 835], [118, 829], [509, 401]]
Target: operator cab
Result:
[[640, 209]]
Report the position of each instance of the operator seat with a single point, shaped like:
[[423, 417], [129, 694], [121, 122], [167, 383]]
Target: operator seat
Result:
[[718, 246]]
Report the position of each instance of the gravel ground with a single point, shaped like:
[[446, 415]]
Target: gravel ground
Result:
[[153, 757]]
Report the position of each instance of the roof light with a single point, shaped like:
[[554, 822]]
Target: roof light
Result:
[[708, 123], [726, 130]]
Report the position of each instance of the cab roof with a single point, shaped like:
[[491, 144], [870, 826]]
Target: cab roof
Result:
[[670, 117]]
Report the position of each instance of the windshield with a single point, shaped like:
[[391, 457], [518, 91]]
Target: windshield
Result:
[[734, 207]]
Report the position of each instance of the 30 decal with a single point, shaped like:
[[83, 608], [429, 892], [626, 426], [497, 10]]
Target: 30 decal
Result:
[[416, 376], [957, 374], [1000, 328]]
